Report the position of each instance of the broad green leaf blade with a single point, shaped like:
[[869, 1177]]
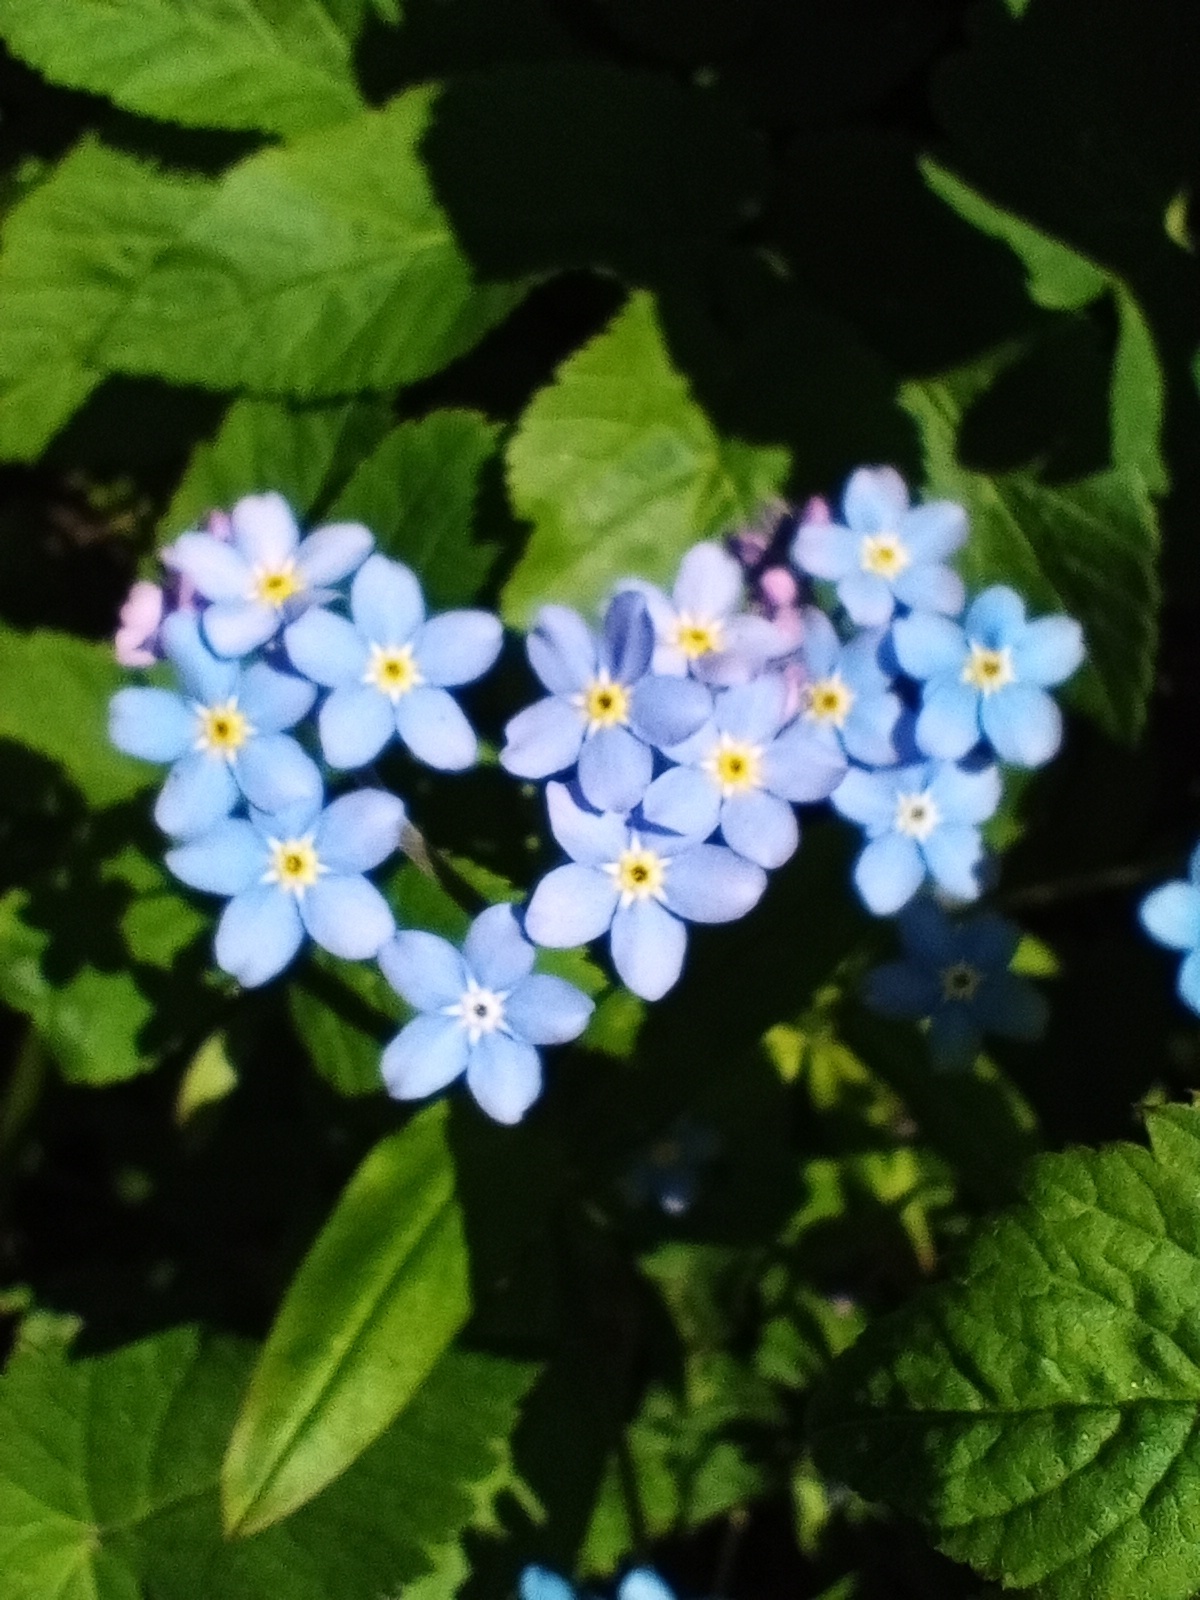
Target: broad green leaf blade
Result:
[[70, 253], [417, 494], [344, 1014], [278, 65], [620, 471], [1089, 548], [377, 1300], [1041, 1414], [315, 270]]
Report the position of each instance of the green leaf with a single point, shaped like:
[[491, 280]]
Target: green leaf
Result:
[[1089, 548], [376, 1301], [109, 1471], [417, 494], [314, 270], [278, 65], [344, 1013], [70, 254], [620, 471], [1040, 1413]]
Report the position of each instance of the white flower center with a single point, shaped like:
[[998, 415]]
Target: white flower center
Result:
[[274, 586], [884, 554], [988, 670], [734, 765], [917, 815], [828, 700], [221, 730], [478, 1011], [638, 873], [393, 671], [294, 865], [602, 703]]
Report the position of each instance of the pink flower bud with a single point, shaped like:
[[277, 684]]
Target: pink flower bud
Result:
[[141, 616]]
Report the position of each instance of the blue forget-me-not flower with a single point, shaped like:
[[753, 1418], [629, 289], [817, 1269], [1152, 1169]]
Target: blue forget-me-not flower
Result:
[[1170, 914], [987, 679], [264, 574], [743, 771], [389, 670], [885, 551], [606, 710], [539, 1583], [955, 972], [297, 872], [847, 697], [223, 733], [483, 1012], [642, 887], [920, 821]]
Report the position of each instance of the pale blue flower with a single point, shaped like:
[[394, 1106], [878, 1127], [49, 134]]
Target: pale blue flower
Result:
[[482, 1013], [295, 873], [389, 670], [222, 734], [641, 887], [264, 575], [1171, 916], [539, 1583], [987, 679], [848, 697], [886, 552]]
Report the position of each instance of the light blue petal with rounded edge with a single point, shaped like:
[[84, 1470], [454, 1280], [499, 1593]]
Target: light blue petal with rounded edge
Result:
[[259, 933], [226, 860], [274, 700], [198, 793], [216, 569], [457, 647], [888, 873], [869, 733], [571, 905], [754, 711], [505, 1076], [495, 950], [235, 627], [1010, 1006], [202, 675], [539, 1583], [955, 856], [875, 500], [820, 645], [965, 794], [153, 724], [867, 598], [928, 935], [424, 969], [355, 723], [709, 884], [868, 798], [274, 774], [709, 583], [264, 529], [547, 1010], [685, 801], [333, 552], [996, 617], [424, 1057], [593, 837], [347, 916], [1023, 724], [948, 724], [826, 550], [1188, 982], [615, 769], [931, 588], [642, 1584], [386, 601], [987, 941], [326, 648], [1171, 915], [543, 739], [934, 530], [647, 946], [666, 711], [357, 831], [1048, 651], [626, 637], [901, 989], [761, 828], [434, 728], [561, 649], [803, 766], [927, 645]]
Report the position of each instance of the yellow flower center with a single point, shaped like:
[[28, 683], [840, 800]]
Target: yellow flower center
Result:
[[393, 671], [603, 703], [884, 554], [828, 700], [695, 637], [916, 815], [960, 981], [221, 730], [988, 670], [273, 586], [639, 874], [294, 864], [734, 766]]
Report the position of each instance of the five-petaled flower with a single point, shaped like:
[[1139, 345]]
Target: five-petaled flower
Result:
[[300, 871], [956, 973], [846, 697], [1170, 914], [264, 574], [886, 551], [641, 886], [389, 670], [223, 734], [482, 1012], [987, 679], [606, 710]]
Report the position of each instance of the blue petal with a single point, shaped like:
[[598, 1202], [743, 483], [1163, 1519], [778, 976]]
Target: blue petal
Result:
[[931, 588], [224, 861], [433, 726], [875, 500], [666, 711], [954, 1040], [1188, 983], [347, 916], [627, 637], [264, 529], [955, 856], [424, 1057], [1010, 1006], [929, 936], [571, 905], [386, 601], [212, 566], [543, 739], [902, 989], [327, 649], [685, 801], [754, 711], [709, 884], [333, 552], [869, 734], [867, 598], [888, 873], [496, 951], [760, 828], [505, 1076], [151, 723], [988, 942], [928, 645], [547, 1010], [802, 766], [642, 1584], [948, 726], [539, 1583], [458, 647], [821, 646], [561, 649], [868, 798], [274, 700], [935, 530], [709, 582], [1023, 724], [203, 676], [826, 550], [860, 663], [355, 723], [589, 836], [235, 627], [275, 773], [358, 831], [426, 971], [615, 769], [258, 934], [648, 945], [996, 617], [1048, 651], [965, 794], [750, 643], [199, 791], [1171, 915]]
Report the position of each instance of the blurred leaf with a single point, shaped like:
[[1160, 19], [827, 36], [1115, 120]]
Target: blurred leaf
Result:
[[1039, 1414], [620, 471], [313, 270], [209, 1078], [344, 1013], [376, 1301], [282, 67], [417, 491], [72, 251]]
